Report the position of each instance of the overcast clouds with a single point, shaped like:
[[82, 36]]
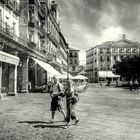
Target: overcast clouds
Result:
[[86, 23]]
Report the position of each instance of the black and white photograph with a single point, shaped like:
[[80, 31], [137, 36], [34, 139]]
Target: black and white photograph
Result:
[[69, 69]]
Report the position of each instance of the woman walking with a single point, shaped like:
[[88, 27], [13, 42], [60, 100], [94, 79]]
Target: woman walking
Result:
[[71, 100]]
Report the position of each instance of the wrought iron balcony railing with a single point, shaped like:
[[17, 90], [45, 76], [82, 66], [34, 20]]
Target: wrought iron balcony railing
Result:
[[33, 22], [42, 11], [9, 32], [13, 5]]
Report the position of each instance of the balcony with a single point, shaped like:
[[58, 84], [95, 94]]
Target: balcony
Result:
[[10, 33], [13, 5], [32, 45], [10, 4], [33, 22], [34, 2], [42, 11], [16, 9], [56, 62], [49, 56], [41, 32], [53, 39], [44, 50]]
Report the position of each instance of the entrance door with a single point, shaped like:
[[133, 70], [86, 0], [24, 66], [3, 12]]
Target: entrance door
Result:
[[5, 77]]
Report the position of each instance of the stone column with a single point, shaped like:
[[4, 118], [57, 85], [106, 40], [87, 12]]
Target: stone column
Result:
[[36, 74], [25, 69], [0, 79], [15, 80]]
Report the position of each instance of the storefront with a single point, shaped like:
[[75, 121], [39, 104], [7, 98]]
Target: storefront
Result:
[[8, 73]]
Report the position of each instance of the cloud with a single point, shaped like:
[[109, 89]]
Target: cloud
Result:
[[90, 22]]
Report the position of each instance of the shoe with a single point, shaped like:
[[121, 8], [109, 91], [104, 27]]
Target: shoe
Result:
[[76, 121], [52, 121], [67, 126]]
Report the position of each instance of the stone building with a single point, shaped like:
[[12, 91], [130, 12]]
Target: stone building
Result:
[[102, 57], [73, 61], [29, 36]]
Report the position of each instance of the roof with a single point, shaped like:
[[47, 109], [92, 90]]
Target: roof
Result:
[[73, 49], [124, 42]]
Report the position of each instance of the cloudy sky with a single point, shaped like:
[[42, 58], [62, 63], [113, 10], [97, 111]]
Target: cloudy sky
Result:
[[86, 23]]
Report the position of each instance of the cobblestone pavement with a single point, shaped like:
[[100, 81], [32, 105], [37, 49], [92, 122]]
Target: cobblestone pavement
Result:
[[105, 113]]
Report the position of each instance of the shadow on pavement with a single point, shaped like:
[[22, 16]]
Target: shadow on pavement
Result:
[[33, 122], [50, 126]]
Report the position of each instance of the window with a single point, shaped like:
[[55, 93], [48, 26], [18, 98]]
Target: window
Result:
[[128, 50], [121, 50], [108, 50], [0, 18], [75, 61], [121, 57], [108, 58], [73, 68], [70, 54], [0, 15], [31, 38], [70, 61], [14, 29], [75, 54], [108, 67], [95, 52], [114, 57], [101, 58], [101, 50]]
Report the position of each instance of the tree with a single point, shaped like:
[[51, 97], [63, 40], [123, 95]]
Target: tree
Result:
[[129, 67]]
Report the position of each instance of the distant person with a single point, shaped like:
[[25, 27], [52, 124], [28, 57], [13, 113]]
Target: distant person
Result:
[[116, 80], [131, 85], [108, 82], [136, 85], [57, 93], [72, 99]]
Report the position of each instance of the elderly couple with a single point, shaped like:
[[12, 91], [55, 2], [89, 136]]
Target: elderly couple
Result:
[[57, 92]]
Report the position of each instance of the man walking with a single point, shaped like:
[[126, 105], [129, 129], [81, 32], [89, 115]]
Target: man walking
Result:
[[57, 94]]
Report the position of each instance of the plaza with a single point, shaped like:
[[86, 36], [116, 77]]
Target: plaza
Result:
[[105, 113]]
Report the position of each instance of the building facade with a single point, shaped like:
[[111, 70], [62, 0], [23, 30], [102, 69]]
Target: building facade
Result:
[[73, 61], [102, 57], [28, 34]]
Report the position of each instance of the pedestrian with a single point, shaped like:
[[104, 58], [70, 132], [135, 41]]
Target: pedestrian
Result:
[[136, 85], [57, 94], [131, 85], [71, 99]]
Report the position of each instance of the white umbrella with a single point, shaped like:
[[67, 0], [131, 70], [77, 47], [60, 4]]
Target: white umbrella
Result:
[[80, 77]]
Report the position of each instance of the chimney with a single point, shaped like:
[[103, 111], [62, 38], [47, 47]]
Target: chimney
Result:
[[123, 37]]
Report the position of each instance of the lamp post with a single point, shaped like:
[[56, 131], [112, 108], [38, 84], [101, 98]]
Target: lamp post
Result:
[[67, 64], [68, 88]]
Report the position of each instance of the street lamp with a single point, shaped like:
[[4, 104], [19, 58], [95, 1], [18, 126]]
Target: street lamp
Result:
[[67, 64], [68, 88]]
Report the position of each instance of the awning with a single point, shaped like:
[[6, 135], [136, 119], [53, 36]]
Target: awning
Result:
[[8, 58], [107, 74], [47, 67], [80, 77]]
